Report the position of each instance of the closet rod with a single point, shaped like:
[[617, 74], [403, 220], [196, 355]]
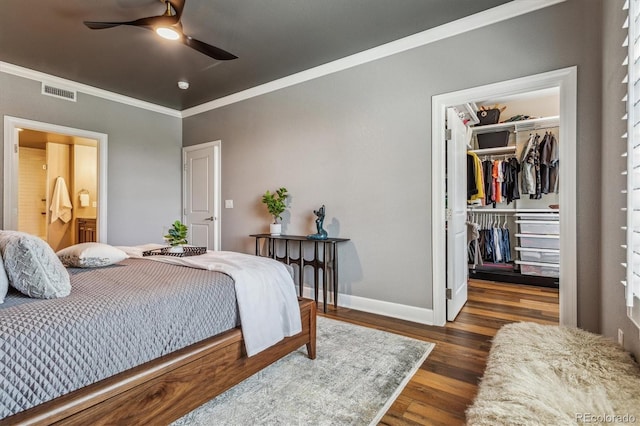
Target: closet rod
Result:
[[515, 210], [536, 128], [537, 210], [495, 211]]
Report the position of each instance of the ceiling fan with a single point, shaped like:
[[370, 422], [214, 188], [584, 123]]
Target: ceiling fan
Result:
[[168, 25]]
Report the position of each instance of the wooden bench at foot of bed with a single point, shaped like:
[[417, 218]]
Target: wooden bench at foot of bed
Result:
[[163, 390]]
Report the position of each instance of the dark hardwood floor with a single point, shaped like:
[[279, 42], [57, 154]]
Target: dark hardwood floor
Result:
[[446, 383]]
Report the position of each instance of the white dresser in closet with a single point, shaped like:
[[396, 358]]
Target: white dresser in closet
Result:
[[538, 242]]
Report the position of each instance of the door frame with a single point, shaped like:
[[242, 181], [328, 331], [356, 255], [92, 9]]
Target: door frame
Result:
[[12, 126], [566, 81], [216, 185]]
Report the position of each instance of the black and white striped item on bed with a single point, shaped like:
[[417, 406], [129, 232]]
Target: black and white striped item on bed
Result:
[[115, 318]]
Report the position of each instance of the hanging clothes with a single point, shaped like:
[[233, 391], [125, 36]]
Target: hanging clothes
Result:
[[473, 246], [530, 163], [506, 244], [497, 244], [489, 194], [551, 159], [511, 171], [499, 178], [493, 243], [545, 153], [497, 182], [475, 181]]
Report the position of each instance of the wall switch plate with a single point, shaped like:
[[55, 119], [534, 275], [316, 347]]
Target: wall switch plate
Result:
[[620, 337], [228, 204]]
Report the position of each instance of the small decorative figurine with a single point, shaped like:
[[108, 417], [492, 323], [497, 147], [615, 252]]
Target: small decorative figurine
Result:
[[321, 234]]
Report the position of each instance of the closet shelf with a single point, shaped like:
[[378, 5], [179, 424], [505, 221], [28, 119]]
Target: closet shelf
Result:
[[517, 126], [509, 149]]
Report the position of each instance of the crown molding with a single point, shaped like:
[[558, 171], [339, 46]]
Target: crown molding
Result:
[[30, 74], [460, 26]]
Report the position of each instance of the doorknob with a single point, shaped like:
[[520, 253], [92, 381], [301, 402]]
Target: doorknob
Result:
[[208, 218]]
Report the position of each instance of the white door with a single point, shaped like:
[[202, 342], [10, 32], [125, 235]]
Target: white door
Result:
[[457, 265], [202, 194]]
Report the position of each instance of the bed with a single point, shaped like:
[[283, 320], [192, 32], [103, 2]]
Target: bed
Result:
[[137, 342]]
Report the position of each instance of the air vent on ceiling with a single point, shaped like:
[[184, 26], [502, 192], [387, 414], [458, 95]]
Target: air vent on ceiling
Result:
[[58, 92]]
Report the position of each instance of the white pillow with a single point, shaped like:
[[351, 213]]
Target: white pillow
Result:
[[4, 282], [32, 266], [91, 255]]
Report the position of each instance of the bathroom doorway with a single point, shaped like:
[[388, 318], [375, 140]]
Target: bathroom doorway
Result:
[[54, 182], [57, 187]]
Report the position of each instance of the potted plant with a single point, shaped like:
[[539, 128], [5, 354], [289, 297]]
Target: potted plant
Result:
[[177, 236], [275, 203]]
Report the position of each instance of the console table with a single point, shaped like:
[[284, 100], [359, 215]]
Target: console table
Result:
[[328, 260]]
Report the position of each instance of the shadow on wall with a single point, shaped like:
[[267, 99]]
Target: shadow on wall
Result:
[[350, 267]]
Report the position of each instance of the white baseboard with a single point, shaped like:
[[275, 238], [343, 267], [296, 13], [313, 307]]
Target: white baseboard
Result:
[[393, 310]]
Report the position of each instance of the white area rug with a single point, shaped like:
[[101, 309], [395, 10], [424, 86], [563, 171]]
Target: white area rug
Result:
[[549, 375], [356, 376]]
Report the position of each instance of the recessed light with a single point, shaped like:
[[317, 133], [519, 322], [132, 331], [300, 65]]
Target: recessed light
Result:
[[184, 85]]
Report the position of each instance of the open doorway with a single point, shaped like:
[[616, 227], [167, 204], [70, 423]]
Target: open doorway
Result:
[[55, 182], [53, 167], [564, 81]]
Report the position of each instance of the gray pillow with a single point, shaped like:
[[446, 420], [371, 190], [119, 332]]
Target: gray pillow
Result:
[[90, 255], [4, 282], [32, 266]]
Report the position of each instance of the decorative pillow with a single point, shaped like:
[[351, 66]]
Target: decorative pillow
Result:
[[91, 255], [4, 282], [32, 266]]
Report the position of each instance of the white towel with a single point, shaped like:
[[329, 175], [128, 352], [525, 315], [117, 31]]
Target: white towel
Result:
[[61, 203], [84, 200]]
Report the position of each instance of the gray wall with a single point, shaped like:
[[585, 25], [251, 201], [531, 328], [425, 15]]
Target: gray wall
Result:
[[144, 166], [612, 292], [359, 142]]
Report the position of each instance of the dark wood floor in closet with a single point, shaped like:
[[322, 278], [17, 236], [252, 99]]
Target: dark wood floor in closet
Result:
[[446, 383]]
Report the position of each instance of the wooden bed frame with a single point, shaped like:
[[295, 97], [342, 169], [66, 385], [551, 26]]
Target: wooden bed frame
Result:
[[165, 389]]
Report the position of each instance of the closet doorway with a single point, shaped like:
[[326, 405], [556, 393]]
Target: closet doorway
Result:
[[562, 83], [43, 161]]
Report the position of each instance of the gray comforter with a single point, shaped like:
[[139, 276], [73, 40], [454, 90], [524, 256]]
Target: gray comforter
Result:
[[115, 318]]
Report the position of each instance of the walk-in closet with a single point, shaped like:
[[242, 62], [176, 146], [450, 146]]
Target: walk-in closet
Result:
[[513, 163]]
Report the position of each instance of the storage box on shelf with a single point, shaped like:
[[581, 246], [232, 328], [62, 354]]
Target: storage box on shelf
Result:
[[538, 215], [493, 140], [538, 255], [539, 241], [539, 268], [542, 227]]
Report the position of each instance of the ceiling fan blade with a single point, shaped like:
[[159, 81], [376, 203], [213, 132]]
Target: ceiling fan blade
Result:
[[102, 25], [165, 20], [151, 21], [207, 49]]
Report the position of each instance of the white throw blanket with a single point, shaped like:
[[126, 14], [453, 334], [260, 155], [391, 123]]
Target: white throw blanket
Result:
[[265, 291], [60, 202]]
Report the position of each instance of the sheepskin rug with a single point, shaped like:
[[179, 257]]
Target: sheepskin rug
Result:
[[550, 375]]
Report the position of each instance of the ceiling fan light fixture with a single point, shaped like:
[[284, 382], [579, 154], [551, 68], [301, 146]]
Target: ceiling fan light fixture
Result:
[[168, 33]]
